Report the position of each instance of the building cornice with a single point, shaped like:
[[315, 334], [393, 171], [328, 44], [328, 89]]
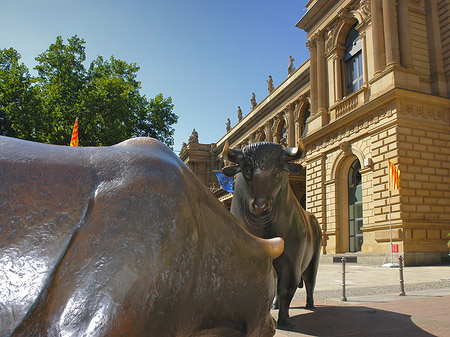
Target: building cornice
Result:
[[322, 9], [297, 83], [375, 110]]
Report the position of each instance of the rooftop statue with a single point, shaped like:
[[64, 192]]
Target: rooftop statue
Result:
[[228, 125], [270, 85], [239, 113], [291, 67], [194, 137], [253, 101], [124, 241], [183, 146]]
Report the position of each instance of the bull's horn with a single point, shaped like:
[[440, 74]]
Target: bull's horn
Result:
[[274, 247], [235, 156], [293, 153]]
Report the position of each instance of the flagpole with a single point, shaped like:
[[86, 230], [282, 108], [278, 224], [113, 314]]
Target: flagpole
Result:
[[390, 221], [389, 265]]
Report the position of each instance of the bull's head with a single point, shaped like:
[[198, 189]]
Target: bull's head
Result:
[[264, 167]]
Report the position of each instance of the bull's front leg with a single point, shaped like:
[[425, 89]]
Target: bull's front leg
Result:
[[285, 290], [285, 297]]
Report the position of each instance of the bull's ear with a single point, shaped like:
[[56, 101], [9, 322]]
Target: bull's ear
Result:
[[230, 171], [292, 168]]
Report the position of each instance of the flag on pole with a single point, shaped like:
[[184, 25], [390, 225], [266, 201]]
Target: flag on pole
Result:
[[394, 176], [225, 182], [74, 139]]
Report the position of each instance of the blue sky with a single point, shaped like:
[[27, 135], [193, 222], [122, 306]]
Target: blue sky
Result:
[[208, 55]]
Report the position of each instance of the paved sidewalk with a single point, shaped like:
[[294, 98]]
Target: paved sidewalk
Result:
[[373, 306]]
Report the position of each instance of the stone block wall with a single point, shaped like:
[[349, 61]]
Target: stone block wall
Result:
[[425, 186]]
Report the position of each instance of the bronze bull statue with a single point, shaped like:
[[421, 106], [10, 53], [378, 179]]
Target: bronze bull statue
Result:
[[264, 203], [124, 241]]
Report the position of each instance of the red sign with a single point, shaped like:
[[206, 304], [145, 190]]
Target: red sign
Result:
[[395, 248]]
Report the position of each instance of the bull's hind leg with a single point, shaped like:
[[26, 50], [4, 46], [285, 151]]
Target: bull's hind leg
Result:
[[309, 277]]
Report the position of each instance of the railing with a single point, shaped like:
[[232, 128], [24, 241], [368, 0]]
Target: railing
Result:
[[349, 103]]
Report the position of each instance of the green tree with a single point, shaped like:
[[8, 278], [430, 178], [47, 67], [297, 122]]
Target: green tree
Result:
[[157, 120], [60, 82], [113, 108], [18, 101], [106, 99]]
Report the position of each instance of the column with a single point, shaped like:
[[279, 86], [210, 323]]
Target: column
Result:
[[275, 135], [321, 76], [391, 44], [291, 125], [377, 32], [313, 74], [404, 33], [338, 73], [364, 58], [268, 130]]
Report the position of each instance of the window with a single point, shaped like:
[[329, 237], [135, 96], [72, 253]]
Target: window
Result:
[[355, 207], [353, 61]]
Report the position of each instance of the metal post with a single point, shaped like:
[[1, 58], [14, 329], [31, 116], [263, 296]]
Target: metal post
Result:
[[402, 282], [390, 224], [343, 298]]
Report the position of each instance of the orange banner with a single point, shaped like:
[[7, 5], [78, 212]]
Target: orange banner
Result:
[[394, 177], [74, 139]]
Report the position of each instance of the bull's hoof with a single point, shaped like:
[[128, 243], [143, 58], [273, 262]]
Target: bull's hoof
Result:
[[283, 321], [309, 306]]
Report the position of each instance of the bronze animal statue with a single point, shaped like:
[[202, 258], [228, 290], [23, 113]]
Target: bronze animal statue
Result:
[[124, 241], [264, 203]]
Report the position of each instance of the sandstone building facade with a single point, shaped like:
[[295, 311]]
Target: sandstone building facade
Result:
[[375, 88]]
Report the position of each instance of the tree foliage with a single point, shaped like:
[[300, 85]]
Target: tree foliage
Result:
[[17, 98], [105, 97]]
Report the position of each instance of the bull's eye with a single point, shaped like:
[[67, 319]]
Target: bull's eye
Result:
[[277, 173], [247, 174]]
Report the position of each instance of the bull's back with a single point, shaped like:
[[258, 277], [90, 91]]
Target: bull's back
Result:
[[82, 221], [42, 201], [130, 239]]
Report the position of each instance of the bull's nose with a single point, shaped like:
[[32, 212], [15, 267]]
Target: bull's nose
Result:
[[260, 206]]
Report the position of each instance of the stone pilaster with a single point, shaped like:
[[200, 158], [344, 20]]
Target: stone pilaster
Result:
[[404, 32], [391, 32], [291, 125], [377, 33], [322, 84], [438, 79], [313, 73]]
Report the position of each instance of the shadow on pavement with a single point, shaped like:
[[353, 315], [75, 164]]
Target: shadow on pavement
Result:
[[353, 321]]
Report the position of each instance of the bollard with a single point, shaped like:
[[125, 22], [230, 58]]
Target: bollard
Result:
[[343, 298], [402, 282]]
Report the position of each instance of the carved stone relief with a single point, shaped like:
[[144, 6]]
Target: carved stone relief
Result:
[[359, 10], [426, 112], [351, 129]]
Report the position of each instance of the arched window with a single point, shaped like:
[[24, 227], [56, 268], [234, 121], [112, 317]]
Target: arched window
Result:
[[353, 61], [355, 207]]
